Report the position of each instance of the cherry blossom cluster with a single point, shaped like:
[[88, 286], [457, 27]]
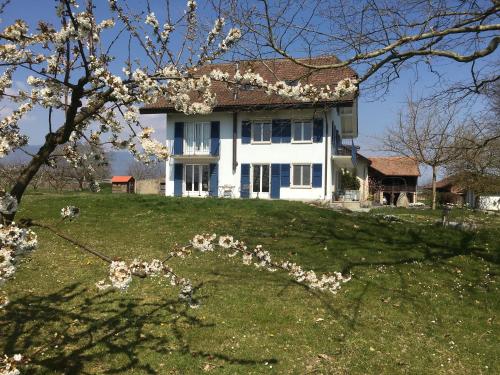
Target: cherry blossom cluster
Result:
[[10, 137], [8, 203], [8, 365], [203, 242], [261, 258], [14, 241], [299, 91], [121, 274], [70, 212]]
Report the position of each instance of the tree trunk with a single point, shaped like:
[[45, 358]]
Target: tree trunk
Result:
[[433, 187], [61, 136]]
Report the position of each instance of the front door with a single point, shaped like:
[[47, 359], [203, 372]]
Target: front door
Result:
[[260, 180], [196, 179]]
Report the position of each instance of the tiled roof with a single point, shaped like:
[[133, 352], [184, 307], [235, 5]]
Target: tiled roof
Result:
[[121, 178], [395, 165], [447, 182], [271, 70]]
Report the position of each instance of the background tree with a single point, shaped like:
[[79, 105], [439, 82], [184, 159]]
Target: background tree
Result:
[[378, 39], [142, 171], [476, 166], [426, 133]]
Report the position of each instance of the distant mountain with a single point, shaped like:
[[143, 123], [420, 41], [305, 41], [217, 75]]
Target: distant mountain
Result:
[[119, 160]]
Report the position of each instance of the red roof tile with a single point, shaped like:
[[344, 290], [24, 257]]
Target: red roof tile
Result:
[[395, 165], [121, 178], [271, 70]]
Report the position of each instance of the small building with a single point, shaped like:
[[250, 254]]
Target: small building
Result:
[[123, 184], [450, 190], [391, 176]]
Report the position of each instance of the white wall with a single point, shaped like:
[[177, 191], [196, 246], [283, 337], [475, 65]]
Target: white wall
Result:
[[489, 202], [286, 153]]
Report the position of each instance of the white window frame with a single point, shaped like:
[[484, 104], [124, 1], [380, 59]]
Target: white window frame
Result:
[[302, 122], [292, 175], [261, 123], [200, 190], [261, 179], [346, 115], [188, 150]]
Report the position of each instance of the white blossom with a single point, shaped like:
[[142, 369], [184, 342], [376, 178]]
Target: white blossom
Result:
[[120, 275], [8, 204], [226, 242], [152, 20], [70, 212], [203, 242]]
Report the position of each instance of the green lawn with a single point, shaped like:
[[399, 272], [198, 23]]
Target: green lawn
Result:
[[423, 299]]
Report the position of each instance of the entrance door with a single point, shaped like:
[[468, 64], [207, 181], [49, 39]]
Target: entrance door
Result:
[[260, 180], [196, 177]]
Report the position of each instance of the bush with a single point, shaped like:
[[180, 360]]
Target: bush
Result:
[[449, 198], [349, 180]]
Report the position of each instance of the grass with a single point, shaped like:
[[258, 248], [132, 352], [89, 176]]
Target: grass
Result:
[[422, 298]]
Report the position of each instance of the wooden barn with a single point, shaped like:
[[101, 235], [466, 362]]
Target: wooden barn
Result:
[[391, 176], [123, 184]]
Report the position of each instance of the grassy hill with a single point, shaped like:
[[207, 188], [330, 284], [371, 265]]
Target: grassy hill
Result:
[[422, 298]]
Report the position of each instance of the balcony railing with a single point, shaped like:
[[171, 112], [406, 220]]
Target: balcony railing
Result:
[[204, 149]]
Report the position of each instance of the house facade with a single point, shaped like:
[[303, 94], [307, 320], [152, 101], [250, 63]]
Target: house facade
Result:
[[258, 146]]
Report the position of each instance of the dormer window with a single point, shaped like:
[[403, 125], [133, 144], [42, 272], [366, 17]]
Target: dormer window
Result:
[[247, 87]]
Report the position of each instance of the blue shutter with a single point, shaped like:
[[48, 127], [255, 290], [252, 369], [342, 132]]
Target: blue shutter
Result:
[[285, 175], [318, 130], [245, 181], [178, 169], [286, 131], [316, 175], [275, 181], [179, 138], [214, 137], [276, 131], [246, 131], [214, 180]]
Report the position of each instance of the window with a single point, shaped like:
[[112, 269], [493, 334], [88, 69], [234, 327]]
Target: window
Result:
[[197, 138], [247, 87], [301, 175], [260, 181], [196, 178], [292, 82], [302, 131], [346, 121], [261, 131]]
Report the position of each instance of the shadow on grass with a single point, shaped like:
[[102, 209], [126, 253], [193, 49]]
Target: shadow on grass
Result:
[[71, 331]]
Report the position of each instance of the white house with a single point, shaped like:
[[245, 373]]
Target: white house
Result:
[[257, 146]]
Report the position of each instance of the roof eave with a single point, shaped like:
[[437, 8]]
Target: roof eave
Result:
[[253, 107]]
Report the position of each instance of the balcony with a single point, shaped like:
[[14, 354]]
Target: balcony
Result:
[[195, 151]]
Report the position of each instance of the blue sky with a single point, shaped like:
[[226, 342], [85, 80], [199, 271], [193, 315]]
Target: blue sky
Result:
[[376, 113]]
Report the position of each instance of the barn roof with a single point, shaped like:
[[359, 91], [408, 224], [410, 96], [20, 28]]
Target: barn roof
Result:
[[121, 178], [272, 70], [395, 165], [447, 182]]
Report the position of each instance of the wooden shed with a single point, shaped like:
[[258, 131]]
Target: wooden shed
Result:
[[123, 184]]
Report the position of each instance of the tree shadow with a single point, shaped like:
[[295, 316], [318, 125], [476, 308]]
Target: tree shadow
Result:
[[72, 329]]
